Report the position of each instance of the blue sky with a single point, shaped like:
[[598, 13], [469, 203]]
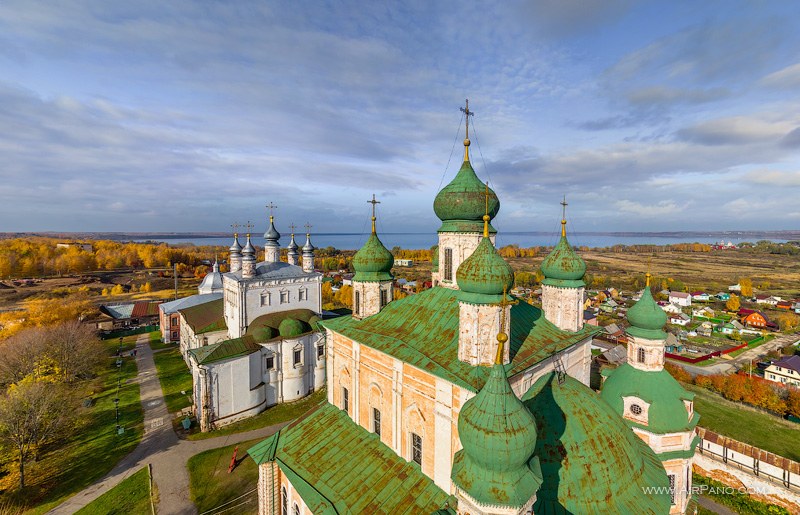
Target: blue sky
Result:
[[188, 116]]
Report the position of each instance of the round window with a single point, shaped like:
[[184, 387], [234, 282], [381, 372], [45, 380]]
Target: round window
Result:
[[636, 409]]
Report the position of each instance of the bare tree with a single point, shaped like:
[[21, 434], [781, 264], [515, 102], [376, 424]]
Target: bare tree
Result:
[[75, 350], [20, 354], [31, 414]]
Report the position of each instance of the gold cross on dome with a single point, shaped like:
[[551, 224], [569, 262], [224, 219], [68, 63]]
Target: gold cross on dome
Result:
[[374, 203], [564, 208], [292, 227], [467, 114], [308, 228], [235, 227]]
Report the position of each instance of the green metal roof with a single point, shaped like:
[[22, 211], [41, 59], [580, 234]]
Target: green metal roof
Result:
[[484, 275], [667, 412], [462, 203], [422, 330], [647, 319], [498, 434], [337, 466], [563, 267], [591, 461], [373, 262], [290, 328], [225, 350], [205, 318]]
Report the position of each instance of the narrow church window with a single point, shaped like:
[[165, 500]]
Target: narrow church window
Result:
[[384, 297], [284, 297], [303, 294], [345, 399], [357, 303], [416, 448], [671, 488], [284, 502], [296, 509], [270, 362], [320, 351], [448, 264], [640, 355], [265, 299], [376, 421], [298, 354]]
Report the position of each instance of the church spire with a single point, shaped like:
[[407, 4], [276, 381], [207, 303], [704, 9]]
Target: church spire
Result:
[[467, 114], [564, 217]]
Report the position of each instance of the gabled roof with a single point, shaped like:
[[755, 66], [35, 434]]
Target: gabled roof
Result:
[[206, 317], [679, 294], [422, 330], [225, 350], [187, 302], [144, 308], [337, 466], [791, 362]]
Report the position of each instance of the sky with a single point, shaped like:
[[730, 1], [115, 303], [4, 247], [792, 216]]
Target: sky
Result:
[[190, 116]]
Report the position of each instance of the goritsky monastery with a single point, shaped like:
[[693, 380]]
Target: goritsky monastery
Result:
[[460, 399]]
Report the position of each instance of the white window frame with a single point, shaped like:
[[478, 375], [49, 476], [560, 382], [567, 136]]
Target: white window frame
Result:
[[302, 294], [266, 298], [266, 362], [295, 362], [285, 298]]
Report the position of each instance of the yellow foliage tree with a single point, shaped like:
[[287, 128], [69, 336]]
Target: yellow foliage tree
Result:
[[747, 287], [146, 287], [733, 303], [117, 290], [344, 297]]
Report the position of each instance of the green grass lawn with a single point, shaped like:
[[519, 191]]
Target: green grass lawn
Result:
[[90, 450], [274, 415], [157, 344], [131, 496], [210, 485], [736, 501], [746, 424], [175, 377]]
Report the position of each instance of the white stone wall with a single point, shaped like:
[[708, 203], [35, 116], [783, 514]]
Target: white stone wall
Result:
[[272, 254], [563, 306], [308, 262], [248, 268], [653, 354], [369, 295], [576, 361], [477, 333], [463, 245]]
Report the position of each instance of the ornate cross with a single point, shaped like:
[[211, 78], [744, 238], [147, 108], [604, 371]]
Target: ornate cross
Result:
[[271, 206], [564, 208], [248, 226], [308, 228], [467, 114], [502, 337], [374, 203], [292, 227], [235, 228]]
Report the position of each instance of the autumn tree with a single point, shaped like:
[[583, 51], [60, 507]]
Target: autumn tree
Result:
[[74, 349], [793, 402], [733, 303], [19, 355], [787, 321], [33, 413], [344, 297], [747, 287]]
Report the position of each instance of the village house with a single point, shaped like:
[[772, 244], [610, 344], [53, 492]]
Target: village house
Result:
[[755, 319], [704, 311], [670, 307], [129, 314], [680, 319], [680, 298], [784, 371], [701, 296], [731, 327], [735, 287], [723, 296]]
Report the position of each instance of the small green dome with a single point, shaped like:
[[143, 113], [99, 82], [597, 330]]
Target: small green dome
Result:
[[563, 267], [373, 262], [647, 319], [590, 459], [667, 412], [461, 204], [314, 323], [498, 435], [290, 328], [484, 274], [265, 333]]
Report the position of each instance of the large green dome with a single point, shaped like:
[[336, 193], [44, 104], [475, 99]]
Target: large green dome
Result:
[[667, 412], [373, 261], [461, 204], [291, 327], [563, 267], [647, 319], [591, 461], [498, 435], [484, 275]]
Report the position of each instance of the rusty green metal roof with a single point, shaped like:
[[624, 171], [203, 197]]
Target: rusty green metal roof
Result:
[[462, 203], [667, 412], [591, 461], [422, 330], [498, 434], [225, 350], [205, 318], [337, 466], [563, 267]]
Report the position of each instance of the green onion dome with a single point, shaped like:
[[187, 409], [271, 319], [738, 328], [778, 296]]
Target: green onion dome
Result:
[[484, 275], [563, 267], [373, 262], [498, 435], [291, 327], [591, 461], [647, 319], [461, 204], [667, 411]]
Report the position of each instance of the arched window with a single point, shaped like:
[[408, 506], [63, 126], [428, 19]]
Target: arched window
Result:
[[640, 355], [296, 509], [357, 303], [284, 502]]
